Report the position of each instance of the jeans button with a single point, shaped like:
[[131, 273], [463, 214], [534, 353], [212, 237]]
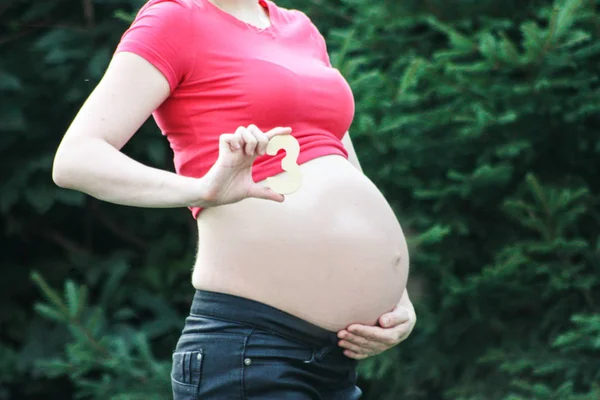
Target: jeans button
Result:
[[247, 361]]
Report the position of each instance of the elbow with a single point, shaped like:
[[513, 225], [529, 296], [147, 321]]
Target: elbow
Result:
[[60, 173], [63, 167]]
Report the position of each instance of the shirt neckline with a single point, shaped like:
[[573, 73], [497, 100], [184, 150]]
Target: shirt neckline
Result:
[[266, 4]]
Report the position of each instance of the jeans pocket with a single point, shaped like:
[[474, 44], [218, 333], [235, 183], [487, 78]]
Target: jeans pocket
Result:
[[277, 368], [186, 371], [268, 348], [219, 372]]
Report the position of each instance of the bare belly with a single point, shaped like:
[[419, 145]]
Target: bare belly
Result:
[[333, 253]]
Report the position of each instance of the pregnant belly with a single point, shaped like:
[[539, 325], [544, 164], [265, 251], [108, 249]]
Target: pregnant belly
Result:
[[333, 253]]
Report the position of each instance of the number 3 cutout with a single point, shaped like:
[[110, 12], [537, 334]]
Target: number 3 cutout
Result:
[[291, 182]]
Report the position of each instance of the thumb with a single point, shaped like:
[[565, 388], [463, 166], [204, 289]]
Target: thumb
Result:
[[394, 318], [278, 131], [262, 192]]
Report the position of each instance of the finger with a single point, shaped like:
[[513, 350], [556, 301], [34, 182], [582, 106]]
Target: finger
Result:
[[367, 346], [238, 139], [404, 336], [355, 348], [356, 356], [396, 317], [357, 340], [228, 141], [250, 142], [278, 131], [237, 143], [262, 192], [381, 335], [261, 147], [342, 333]]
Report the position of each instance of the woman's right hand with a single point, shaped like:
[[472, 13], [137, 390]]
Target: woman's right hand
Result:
[[230, 178]]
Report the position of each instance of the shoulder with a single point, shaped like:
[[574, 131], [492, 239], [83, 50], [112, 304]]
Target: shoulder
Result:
[[158, 13], [300, 20], [290, 14], [166, 5], [172, 15], [168, 9], [181, 14], [169, 4]]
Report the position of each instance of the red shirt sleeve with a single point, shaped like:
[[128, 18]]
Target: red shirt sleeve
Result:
[[162, 34]]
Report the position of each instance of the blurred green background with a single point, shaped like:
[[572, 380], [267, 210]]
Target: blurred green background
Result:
[[479, 121]]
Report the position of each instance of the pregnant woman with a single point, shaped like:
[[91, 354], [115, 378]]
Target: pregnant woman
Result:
[[290, 290]]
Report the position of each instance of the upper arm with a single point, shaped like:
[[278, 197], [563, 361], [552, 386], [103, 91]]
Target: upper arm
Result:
[[352, 157], [130, 90], [149, 62]]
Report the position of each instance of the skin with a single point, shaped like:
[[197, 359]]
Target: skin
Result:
[[129, 92], [362, 341]]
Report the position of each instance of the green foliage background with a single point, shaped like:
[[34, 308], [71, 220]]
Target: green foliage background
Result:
[[477, 119]]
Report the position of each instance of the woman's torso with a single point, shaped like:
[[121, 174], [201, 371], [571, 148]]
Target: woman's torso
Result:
[[235, 75], [333, 253]]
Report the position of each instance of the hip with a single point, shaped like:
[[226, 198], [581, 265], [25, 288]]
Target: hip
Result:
[[235, 348]]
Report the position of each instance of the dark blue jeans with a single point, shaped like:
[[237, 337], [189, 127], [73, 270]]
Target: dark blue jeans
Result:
[[235, 348]]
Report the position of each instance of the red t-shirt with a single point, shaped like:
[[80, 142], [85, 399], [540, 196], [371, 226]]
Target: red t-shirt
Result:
[[224, 73]]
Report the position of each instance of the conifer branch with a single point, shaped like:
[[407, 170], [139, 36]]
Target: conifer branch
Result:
[[76, 322], [595, 21], [61, 240]]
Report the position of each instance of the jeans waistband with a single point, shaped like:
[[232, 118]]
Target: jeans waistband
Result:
[[256, 314]]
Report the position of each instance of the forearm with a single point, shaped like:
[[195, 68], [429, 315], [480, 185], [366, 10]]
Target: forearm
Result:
[[98, 169]]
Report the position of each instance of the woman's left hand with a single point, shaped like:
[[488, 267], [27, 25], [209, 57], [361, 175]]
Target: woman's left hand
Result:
[[362, 341]]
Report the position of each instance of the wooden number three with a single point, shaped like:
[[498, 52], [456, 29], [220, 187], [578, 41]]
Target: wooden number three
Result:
[[291, 182]]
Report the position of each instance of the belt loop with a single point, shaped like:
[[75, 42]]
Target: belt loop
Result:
[[323, 352], [312, 358]]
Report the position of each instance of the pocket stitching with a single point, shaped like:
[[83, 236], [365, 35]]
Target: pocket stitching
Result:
[[190, 385], [243, 366], [200, 362], [272, 360]]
